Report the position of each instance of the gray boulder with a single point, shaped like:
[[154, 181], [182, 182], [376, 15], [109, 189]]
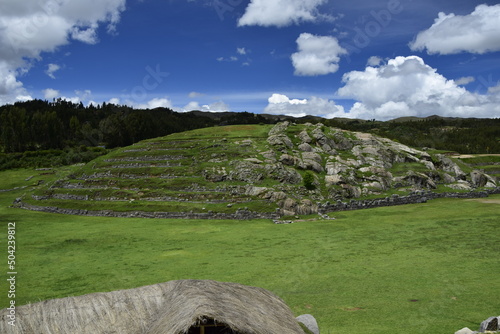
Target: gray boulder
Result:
[[325, 142], [447, 178], [460, 185], [331, 180], [283, 174], [465, 330], [277, 196], [311, 165], [269, 155], [309, 321], [304, 137], [279, 128], [292, 207], [246, 171], [255, 191], [341, 142], [420, 180], [312, 156], [306, 207], [449, 166], [289, 160], [374, 185], [478, 178], [289, 204], [428, 164], [350, 191], [333, 168], [490, 324], [305, 147], [280, 140]]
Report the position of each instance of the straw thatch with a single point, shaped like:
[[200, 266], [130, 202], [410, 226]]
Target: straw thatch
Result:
[[166, 308]]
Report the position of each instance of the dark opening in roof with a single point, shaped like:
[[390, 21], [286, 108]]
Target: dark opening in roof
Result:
[[209, 326]]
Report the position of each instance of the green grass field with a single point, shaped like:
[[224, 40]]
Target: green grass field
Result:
[[429, 268]]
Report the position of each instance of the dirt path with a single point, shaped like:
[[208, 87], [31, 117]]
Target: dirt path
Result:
[[466, 156], [486, 200]]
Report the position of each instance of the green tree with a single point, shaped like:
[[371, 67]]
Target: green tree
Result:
[[309, 181]]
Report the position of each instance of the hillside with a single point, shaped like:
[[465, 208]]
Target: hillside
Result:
[[42, 134], [246, 171]]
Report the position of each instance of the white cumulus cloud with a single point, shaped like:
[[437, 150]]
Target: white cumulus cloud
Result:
[[374, 61], [317, 55], [495, 90], [280, 104], [478, 32], [51, 69], [195, 94], [279, 13], [86, 35], [464, 80], [218, 106], [152, 104], [406, 86], [114, 100], [50, 94], [30, 27]]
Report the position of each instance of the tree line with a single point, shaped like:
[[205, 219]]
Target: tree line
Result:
[[42, 125], [67, 132]]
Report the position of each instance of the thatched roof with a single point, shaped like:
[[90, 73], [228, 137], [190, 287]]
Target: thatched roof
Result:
[[166, 308]]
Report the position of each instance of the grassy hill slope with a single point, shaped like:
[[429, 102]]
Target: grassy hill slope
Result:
[[247, 170]]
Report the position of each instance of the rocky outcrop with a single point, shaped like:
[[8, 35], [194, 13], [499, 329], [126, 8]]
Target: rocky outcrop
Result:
[[280, 140], [291, 207], [246, 171], [277, 136], [447, 165], [283, 174], [279, 129], [480, 179], [358, 164], [490, 324]]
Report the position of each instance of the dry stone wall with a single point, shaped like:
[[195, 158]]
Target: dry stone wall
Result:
[[240, 214], [414, 198]]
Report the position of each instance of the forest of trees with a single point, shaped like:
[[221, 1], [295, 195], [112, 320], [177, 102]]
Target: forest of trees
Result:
[[37, 133], [42, 125]]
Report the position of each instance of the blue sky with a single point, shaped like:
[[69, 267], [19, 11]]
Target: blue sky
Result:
[[359, 59]]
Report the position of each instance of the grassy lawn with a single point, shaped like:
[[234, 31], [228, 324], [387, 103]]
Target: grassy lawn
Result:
[[433, 267]]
